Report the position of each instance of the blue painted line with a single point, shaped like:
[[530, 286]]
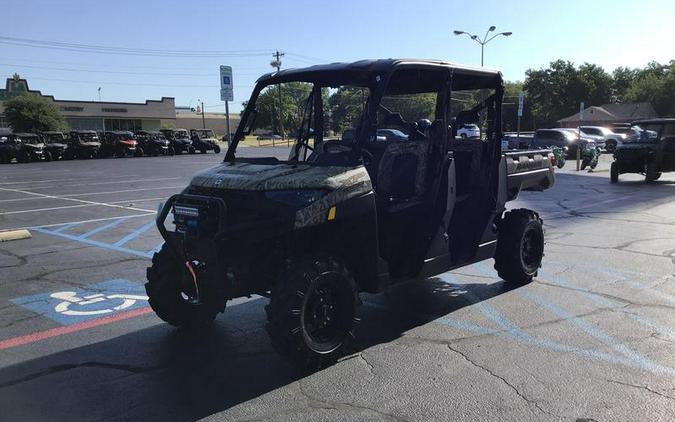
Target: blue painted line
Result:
[[64, 228], [596, 333], [156, 248], [102, 228], [133, 235], [511, 330], [466, 326], [95, 243], [603, 301]]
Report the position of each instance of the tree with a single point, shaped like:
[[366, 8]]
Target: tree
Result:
[[656, 85], [33, 113], [622, 79]]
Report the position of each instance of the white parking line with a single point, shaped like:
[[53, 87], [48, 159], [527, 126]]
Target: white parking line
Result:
[[80, 206], [70, 195], [128, 181], [75, 200], [94, 220], [127, 176]]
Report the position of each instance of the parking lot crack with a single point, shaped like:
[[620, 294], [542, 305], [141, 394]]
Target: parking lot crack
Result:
[[503, 380], [315, 402], [69, 366], [642, 387]]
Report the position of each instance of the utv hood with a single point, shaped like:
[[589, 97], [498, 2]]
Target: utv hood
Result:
[[339, 184], [283, 176]]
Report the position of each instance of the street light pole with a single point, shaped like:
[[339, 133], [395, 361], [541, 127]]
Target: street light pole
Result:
[[485, 39], [99, 101]]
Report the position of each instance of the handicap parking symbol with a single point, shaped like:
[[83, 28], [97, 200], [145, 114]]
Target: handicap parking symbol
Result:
[[69, 306]]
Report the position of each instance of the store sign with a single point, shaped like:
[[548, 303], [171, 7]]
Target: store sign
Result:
[[226, 87]]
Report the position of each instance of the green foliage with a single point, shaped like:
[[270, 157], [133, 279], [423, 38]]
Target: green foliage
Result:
[[346, 106], [167, 125], [33, 113], [656, 85]]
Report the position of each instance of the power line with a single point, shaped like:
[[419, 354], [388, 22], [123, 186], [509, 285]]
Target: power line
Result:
[[135, 84], [117, 72], [99, 49]]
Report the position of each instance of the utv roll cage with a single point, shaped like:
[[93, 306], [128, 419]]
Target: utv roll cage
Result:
[[376, 75]]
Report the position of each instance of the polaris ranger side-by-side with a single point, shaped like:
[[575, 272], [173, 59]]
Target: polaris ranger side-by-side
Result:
[[350, 210]]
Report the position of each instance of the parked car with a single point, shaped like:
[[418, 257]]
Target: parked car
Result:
[[120, 144], [468, 130], [83, 144], [390, 135], [56, 144], [567, 139], [649, 149], [179, 140], [204, 140], [610, 139]]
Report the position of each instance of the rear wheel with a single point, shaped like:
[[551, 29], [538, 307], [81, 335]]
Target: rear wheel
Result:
[[312, 312], [48, 156], [216, 149], [651, 174], [171, 293], [139, 152], [202, 149], [172, 151], [191, 150], [614, 173], [520, 246]]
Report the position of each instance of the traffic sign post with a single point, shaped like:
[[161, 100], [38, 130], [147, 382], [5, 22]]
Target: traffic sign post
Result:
[[226, 94], [521, 97], [581, 118]]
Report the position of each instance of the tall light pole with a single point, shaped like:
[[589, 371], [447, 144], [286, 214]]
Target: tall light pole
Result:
[[485, 39], [99, 100]]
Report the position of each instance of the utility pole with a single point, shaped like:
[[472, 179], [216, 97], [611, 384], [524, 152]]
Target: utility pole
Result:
[[203, 119], [99, 100], [277, 63]]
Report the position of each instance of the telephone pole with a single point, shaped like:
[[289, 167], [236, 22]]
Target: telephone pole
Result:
[[277, 63]]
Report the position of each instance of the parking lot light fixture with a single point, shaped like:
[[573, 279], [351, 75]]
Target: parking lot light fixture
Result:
[[485, 39]]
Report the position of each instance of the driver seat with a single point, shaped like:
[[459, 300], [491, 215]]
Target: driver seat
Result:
[[402, 173]]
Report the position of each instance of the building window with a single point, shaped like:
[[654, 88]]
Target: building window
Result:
[[113, 110]]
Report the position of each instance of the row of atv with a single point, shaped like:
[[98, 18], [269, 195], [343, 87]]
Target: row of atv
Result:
[[85, 144]]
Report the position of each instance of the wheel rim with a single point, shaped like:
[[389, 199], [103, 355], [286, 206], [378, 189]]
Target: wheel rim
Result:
[[328, 310], [532, 249]]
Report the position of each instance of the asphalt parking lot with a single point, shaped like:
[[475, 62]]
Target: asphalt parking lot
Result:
[[593, 338]]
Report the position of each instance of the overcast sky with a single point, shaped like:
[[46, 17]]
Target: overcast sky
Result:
[[608, 33]]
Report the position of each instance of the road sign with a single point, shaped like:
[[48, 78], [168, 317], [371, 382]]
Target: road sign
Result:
[[521, 97], [226, 87], [73, 305]]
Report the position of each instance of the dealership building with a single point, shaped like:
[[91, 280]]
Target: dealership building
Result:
[[93, 115]]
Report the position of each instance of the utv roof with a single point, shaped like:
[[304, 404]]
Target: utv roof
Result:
[[363, 71], [654, 121]]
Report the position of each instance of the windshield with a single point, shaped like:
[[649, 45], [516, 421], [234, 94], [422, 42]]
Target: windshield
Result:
[[205, 133], [30, 140], [643, 133], [89, 137], [181, 134]]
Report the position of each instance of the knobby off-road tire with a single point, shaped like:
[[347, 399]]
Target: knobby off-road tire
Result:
[[613, 173], [651, 174], [520, 246], [312, 312], [167, 279], [216, 149]]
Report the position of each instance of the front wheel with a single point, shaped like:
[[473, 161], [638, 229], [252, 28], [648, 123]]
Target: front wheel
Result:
[[520, 246], [171, 151], [651, 174], [202, 150], [216, 149], [312, 312], [613, 173], [191, 150], [172, 293], [139, 152]]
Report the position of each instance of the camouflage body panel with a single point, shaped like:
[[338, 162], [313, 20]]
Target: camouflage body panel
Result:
[[342, 183]]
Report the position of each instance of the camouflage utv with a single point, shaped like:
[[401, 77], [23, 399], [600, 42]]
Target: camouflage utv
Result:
[[351, 210]]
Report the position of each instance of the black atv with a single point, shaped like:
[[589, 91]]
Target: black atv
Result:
[[351, 211], [120, 144], [152, 143], [179, 140], [56, 144], [29, 147], [649, 149], [83, 144], [204, 140]]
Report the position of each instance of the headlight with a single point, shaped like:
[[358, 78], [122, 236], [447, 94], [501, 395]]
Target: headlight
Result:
[[295, 198]]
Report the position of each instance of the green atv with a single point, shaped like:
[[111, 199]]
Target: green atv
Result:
[[371, 195]]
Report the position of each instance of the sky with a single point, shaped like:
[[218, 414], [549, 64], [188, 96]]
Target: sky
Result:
[[246, 33]]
